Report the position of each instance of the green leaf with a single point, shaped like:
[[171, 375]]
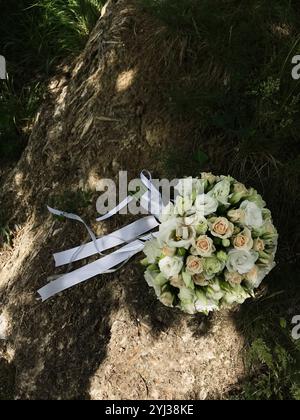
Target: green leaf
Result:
[[283, 323]]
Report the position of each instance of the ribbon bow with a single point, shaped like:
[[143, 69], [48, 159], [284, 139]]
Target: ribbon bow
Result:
[[133, 235]]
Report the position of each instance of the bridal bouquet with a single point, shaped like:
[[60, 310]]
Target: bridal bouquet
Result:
[[215, 245]]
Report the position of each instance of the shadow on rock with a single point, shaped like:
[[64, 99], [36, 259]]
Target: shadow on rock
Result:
[[7, 380]]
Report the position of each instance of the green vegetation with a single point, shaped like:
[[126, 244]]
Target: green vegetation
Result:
[[235, 86], [273, 356], [236, 81], [35, 37]]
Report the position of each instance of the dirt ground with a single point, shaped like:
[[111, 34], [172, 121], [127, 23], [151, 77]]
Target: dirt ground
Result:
[[108, 338]]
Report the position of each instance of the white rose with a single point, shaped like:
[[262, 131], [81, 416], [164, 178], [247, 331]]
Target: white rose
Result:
[[165, 229], [206, 204], [214, 291], [184, 237], [187, 299], [253, 215], [237, 294], [174, 234], [198, 221], [241, 261], [152, 250], [170, 266], [168, 212], [150, 277], [221, 192], [188, 187], [183, 205], [205, 305], [194, 219]]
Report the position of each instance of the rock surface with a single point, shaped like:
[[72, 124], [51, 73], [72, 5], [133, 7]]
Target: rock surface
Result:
[[108, 338]]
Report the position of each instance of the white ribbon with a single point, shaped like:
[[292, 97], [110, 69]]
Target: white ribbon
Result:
[[100, 266], [126, 234], [152, 199], [77, 219], [129, 234], [116, 210]]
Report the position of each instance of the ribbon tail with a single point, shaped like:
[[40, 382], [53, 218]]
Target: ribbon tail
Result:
[[91, 270], [72, 216], [123, 235]]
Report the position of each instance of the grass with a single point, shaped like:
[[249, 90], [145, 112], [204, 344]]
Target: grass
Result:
[[35, 37], [236, 91], [272, 356]]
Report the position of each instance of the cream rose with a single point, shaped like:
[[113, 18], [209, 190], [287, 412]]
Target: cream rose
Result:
[[209, 177], [243, 241], [177, 281], [236, 216], [239, 192], [256, 275], [200, 280], [233, 278], [253, 278], [168, 252], [239, 188], [259, 245], [167, 299], [222, 228], [194, 265], [204, 246]]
